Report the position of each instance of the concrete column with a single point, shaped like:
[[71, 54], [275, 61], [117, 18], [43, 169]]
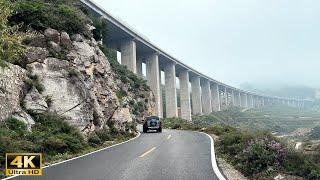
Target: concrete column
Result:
[[239, 104], [221, 97], [185, 95], [233, 103], [128, 55], [161, 97], [251, 101], [244, 100], [205, 95], [215, 97], [152, 69], [226, 97], [139, 68], [171, 94], [196, 95]]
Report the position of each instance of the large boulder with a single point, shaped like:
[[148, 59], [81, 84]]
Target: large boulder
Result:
[[65, 40], [11, 89], [36, 54], [52, 35], [39, 40]]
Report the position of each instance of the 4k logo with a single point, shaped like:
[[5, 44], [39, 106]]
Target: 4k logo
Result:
[[28, 164]]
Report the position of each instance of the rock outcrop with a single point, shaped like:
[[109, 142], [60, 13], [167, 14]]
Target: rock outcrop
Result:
[[78, 82]]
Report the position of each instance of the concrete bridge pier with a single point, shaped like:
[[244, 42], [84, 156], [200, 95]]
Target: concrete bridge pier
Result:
[[196, 95], [244, 101], [161, 96], [205, 97], [215, 97], [153, 79], [139, 68], [185, 95], [170, 89], [251, 101], [233, 99], [128, 55], [226, 98], [239, 102]]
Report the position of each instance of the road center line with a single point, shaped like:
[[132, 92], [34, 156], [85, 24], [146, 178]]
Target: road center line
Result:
[[149, 151], [169, 137]]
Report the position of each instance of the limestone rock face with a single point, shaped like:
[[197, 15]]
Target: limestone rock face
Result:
[[35, 101], [11, 90], [78, 82], [122, 116]]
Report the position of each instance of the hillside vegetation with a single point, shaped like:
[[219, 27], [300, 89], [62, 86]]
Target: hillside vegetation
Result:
[[245, 140]]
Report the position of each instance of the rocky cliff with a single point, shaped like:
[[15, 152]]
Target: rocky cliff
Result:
[[72, 77]]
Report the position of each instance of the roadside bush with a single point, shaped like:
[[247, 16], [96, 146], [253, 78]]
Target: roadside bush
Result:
[[104, 134], [261, 153], [17, 126], [301, 165], [220, 129], [232, 143], [94, 140]]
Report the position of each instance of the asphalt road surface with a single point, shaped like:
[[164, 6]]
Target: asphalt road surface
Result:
[[171, 154]]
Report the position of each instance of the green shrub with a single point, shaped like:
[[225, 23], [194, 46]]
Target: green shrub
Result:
[[220, 129], [94, 140], [73, 73], [300, 165], [53, 145], [120, 94], [232, 143], [39, 15], [113, 130], [11, 48], [17, 126], [101, 28], [104, 134]]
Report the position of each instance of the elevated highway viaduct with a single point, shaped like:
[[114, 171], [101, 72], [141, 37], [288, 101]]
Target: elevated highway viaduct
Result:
[[207, 94]]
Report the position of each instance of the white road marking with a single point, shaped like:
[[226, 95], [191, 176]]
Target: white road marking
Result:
[[213, 160], [169, 137], [149, 151]]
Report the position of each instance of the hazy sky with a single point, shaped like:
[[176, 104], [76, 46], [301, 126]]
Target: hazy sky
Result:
[[233, 41]]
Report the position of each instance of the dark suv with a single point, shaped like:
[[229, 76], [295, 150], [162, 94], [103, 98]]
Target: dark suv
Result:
[[152, 123]]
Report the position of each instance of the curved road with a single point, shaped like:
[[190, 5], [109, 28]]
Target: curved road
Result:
[[168, 155]]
